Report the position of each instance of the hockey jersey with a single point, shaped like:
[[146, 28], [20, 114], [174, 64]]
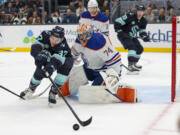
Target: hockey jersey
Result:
[[130, 25], [100, 22], [98, 53], [57, 53]]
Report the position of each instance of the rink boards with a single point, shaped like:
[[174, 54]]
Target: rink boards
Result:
[[19, 38]]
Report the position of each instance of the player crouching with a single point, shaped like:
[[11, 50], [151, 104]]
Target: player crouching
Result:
[[51, 51], [102, 66]]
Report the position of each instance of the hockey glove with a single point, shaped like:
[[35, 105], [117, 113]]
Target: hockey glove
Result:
[[50, 69], [41, 59], [146, 38]]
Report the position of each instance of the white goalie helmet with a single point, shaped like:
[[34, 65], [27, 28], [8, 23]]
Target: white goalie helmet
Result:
[[92, 3]]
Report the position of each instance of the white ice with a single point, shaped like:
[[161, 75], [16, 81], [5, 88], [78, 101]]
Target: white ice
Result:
[[152, 116]]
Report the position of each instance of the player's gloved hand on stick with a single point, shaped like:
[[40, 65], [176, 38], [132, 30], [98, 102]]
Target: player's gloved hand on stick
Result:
[[146, 39], [41, 59], [50, 69]]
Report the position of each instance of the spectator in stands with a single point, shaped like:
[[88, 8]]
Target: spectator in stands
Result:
[[169, 6], [11, 17], [154, 8], [161, 17], [9, 8], [105, 6], [133, 9], [80, 9], [170, 15], [46, 18], [25, 11], [107, 13], [72, 7], [78, 17], [3, 17], [127, 11], [18, 4], [20, 19], [69, 17], [34, 19], [55, 18], [149, 15]]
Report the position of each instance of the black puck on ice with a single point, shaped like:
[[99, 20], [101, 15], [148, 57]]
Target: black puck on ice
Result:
[[75, 126]]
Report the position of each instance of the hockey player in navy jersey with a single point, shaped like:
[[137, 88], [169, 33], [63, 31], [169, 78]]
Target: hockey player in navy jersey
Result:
[[127, 27], [101, 63], [51, 51], [94, 17]]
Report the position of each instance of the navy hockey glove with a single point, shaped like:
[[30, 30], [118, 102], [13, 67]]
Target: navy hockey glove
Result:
[[49, 68], [146, 38], [41, 59]]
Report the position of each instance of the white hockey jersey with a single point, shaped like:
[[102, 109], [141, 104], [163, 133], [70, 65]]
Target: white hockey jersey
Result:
[[98, 53], [100, 22]]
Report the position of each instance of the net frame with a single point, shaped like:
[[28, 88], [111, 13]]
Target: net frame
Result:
[[175, 63]]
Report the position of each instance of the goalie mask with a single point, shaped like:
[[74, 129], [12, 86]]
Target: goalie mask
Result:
[[84, 32]]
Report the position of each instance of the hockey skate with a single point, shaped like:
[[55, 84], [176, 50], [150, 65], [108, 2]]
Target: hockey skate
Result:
[[27, 94], [52, 97], [138, 66], [133, 70]]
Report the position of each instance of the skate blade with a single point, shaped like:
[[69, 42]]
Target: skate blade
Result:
[[133, 73]]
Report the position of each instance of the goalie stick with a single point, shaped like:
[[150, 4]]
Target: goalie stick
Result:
[[82, 123]]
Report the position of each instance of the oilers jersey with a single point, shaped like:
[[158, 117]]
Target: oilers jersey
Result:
[[98, 53], [130, 25], [100, 22]]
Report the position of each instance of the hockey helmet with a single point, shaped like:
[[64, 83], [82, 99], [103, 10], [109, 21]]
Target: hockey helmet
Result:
[[58, 32], [92, 3], [141, 8], [84, 32]]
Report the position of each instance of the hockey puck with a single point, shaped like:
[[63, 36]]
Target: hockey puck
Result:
[[75, 126]]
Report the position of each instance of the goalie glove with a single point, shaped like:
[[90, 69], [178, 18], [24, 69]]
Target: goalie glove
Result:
[[111, 78]]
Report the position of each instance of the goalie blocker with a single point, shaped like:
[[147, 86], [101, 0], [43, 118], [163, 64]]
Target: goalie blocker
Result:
[[98, 94]]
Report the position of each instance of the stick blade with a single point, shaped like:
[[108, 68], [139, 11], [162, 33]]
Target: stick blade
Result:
[[87, 122]]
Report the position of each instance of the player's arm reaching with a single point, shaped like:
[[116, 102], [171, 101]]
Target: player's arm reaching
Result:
[[41, 57]]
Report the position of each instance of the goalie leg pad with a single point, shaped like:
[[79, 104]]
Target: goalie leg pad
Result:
[[76, 78], [95, 95], [127, 94], [64, 89]]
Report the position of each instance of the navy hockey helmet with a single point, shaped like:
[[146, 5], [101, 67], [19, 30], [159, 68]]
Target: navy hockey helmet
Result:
[[58, 32], [141, 8]]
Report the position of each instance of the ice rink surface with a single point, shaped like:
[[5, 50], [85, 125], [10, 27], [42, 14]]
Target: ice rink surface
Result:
[[153, 115]]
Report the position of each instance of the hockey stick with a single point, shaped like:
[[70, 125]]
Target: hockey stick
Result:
[[127, 68], [11, 92], [38, 95], [10, 50], [83, 123]]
